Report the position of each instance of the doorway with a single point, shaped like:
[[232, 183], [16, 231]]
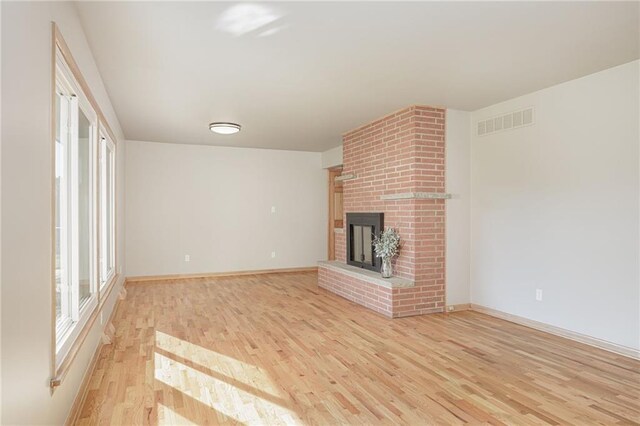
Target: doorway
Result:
[[336, 219]]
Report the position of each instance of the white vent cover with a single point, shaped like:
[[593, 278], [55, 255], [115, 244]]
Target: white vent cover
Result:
[[512, 120], [482, 128]]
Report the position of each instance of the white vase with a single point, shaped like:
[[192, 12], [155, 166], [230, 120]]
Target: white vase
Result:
[[386, 270]]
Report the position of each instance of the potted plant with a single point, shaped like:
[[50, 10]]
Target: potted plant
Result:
[[386, 245]]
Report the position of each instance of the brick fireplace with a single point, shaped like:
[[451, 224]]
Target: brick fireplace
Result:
[[397, 163]]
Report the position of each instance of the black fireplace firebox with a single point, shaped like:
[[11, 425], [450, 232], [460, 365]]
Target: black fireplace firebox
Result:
[[361, 228]]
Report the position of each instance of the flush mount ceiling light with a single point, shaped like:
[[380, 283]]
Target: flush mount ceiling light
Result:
[[224, 128]]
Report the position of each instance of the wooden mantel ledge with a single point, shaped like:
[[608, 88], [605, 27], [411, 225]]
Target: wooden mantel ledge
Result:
[[366, 275], [416, 196]]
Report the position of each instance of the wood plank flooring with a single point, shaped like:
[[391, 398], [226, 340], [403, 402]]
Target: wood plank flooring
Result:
[[276, 349]]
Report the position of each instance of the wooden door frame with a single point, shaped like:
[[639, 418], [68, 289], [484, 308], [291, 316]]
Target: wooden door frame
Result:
[[332, 174]]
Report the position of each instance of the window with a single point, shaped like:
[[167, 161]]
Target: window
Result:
[[75, 209], [84, 193], [107, 210]]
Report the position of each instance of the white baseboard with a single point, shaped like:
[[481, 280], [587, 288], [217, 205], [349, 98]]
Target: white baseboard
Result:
[[145, 278], [551, 329], [459, 307]]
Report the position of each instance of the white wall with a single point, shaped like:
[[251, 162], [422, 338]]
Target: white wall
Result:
[[332, 157], [555, 207], [214, 204], [458, 170], [26, 209], [0, 232]]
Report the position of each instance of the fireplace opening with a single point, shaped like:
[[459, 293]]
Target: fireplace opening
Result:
[[361, 228]]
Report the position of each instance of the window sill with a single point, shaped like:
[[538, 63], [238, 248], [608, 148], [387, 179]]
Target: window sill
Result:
[[63, 369], [105, 291]]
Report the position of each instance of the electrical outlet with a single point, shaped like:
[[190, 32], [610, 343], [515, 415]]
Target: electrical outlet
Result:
[[273, 254], [450, 308], [539, 295], [273, 209], [187, 258]]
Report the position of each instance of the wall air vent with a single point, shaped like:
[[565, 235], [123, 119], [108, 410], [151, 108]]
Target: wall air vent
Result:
[[482, 128], [512, 120]]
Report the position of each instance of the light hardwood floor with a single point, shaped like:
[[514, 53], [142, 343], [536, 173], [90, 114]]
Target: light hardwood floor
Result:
[[276, 349]]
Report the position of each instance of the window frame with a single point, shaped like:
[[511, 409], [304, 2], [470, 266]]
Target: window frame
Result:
[[79, 311], [88, 312], [108, 159], [62, 324]]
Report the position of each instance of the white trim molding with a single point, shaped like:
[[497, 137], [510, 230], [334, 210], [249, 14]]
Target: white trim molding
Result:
[[557, 331]]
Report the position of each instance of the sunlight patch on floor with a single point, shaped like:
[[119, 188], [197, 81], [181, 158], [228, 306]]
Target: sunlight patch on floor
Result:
[[248, 374], [243, 406]]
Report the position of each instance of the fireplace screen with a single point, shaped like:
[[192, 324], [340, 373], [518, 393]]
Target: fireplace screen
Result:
[[361, 228]]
